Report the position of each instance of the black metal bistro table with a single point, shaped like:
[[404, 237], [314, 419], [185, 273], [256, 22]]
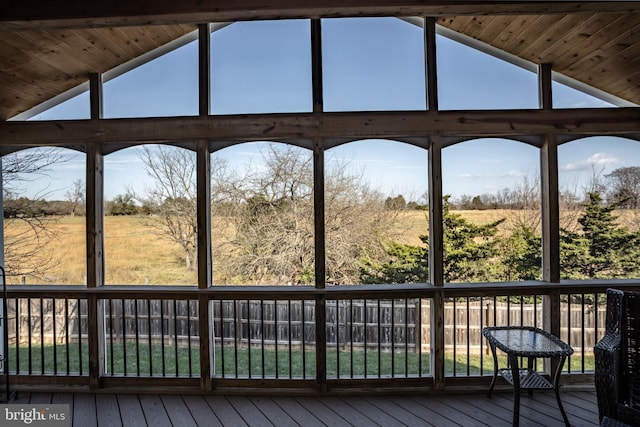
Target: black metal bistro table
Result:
[[532, 343]]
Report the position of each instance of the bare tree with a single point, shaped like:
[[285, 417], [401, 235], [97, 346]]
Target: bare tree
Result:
[[274, 228], [26, 231], [625, 186], [262, 217], [272, 233], [173, 200], [525, 201], [75, 196], [173, 196]]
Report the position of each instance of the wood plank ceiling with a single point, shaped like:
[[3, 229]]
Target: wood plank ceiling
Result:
[[600, 48]]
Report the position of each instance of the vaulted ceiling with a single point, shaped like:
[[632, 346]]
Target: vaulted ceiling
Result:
[[48, 47]]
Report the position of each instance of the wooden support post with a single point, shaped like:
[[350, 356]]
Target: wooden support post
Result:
[[205, 264], [320, 265], [545, 94], [436, 259], [430, 63], [318, 205], [316, 65], [550, 210], [204, 69], [95, 240]]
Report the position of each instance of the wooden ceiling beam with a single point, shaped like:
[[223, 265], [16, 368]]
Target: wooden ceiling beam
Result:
[[43, 14], [345, 126]]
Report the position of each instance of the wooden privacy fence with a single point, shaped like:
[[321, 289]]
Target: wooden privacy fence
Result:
[[382, 324]]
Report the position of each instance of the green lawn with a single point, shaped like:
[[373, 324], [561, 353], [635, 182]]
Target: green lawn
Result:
[[265, 363]]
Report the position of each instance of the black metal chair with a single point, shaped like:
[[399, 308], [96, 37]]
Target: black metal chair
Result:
[[617, 367]]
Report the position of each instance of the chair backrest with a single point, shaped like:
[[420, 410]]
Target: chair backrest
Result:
[[614, 310], [630, 349]]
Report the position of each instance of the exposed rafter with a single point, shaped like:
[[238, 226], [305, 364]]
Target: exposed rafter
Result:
[[42, 14]]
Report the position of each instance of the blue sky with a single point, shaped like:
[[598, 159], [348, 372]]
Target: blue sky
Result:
[[369, 64]]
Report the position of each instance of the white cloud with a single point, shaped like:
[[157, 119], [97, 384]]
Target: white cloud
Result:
[[514, 174], [468, 175], [598, 160]]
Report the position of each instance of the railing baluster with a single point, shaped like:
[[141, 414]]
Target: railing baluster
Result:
[[419, 336], [136, 318], [80, 358], [42, 320], [18, 317], [337, 335], [29, 338], [351, 326], [66, 333], [568, 314], [175, 336], [583, 332], [150, 348], [275, 326], [189, 337], [304, 343], [237, 324], [468, 337], [124, 336], [379, 339], [482, 325], [366, 330], [162, 339], [262, 328], [111, 361], [55, 348], [249, 338], [289, 334], [393, 339], [223, 305], [455, 338]]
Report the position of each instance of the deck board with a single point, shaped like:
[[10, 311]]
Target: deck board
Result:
[[131, 412], [298, 412], [225, 412], [482, 411], [348, 412], [201, 412], [375, 413], [84, 410], [274, 413], [154, 411], [438, 413], [108, 411], [446, 410], [323, 412], [480, 403], [178, 411], [40, 398], [396, 411], [533, 410], [249, 412]]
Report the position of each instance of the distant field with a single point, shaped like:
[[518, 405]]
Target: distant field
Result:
[[136, 254]]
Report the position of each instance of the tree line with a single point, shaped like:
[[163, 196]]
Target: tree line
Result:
[[263, 224], [599, 248]]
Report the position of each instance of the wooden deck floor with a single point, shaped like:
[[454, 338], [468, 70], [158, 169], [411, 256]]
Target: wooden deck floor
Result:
[[450, 410]]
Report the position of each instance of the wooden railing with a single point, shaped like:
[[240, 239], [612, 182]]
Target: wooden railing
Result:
[[262, 337]]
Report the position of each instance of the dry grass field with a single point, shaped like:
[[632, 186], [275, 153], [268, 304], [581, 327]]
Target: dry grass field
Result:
[[135, 253]]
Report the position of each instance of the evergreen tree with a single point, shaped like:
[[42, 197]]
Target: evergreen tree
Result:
[[603, 249], [521, 255], [469, 251]]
